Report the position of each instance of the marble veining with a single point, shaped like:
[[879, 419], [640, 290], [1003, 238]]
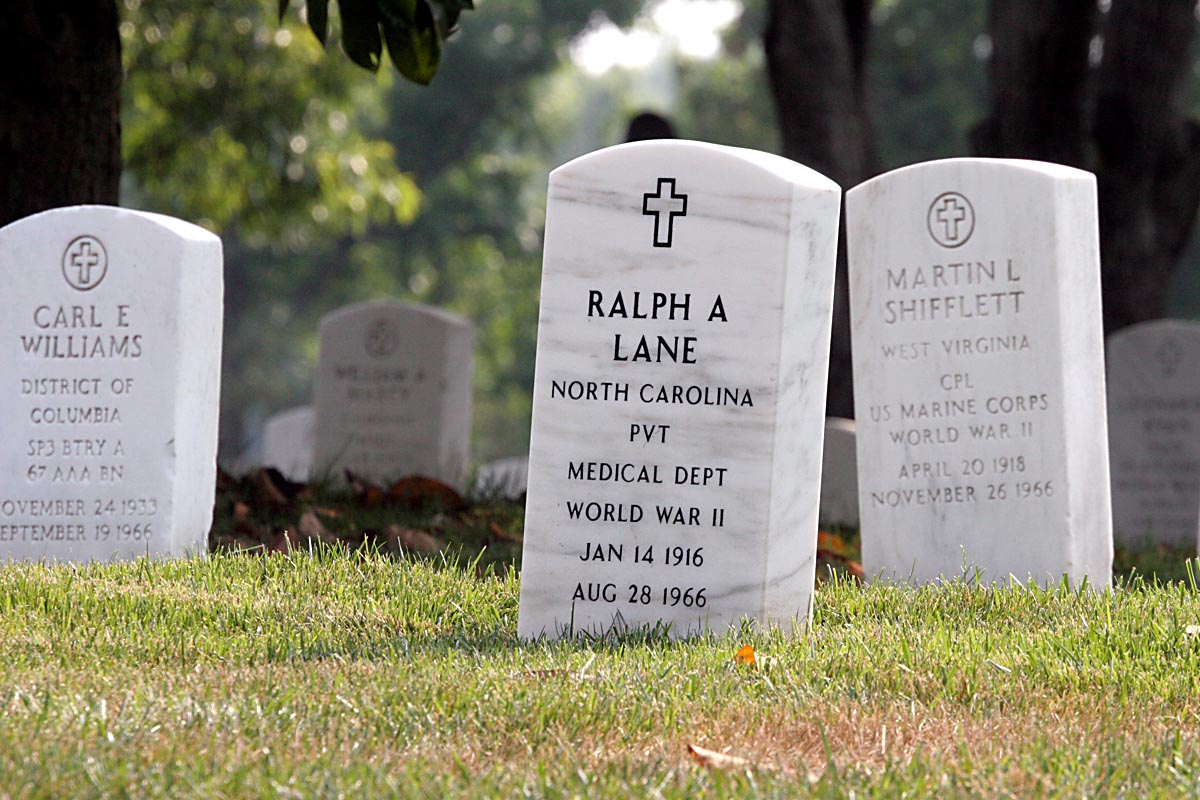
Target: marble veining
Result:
[[978, 372], [676, 411]]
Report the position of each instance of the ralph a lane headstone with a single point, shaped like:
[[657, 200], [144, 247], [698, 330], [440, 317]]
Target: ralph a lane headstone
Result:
[[393, 392], [288, 443], [1154, 432], [979, 373], [110, 352], [679, 393]]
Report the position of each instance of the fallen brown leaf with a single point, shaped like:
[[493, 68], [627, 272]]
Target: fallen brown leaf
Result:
[[541, 674], [267, 489], [853, 568], [366, 494], [402, 538], [418, 493], [311, 526], [715, 760], [247, 528], [832, 543], [505, 536]]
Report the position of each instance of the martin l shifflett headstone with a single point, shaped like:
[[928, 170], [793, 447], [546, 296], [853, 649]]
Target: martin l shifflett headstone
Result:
[[679, 392], [979, 373]]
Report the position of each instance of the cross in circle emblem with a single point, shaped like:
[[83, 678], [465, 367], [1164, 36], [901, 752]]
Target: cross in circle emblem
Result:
[[951, 219], [84, 263]]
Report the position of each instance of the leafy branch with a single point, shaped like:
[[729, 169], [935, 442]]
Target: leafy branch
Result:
[[412, 30]]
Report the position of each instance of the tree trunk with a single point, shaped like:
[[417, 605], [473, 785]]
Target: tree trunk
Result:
[[816, 53], [1148, 155], [1039, 79], [60, 93]]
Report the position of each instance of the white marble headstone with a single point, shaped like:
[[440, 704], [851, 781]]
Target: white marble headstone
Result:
[[979, 373], [1154, 432], [679, 394], [504, 477], [288, 443], [839, 474], [110, 353], [393, 392]]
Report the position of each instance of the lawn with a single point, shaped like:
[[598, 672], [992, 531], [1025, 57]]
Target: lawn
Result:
[[339, 673]]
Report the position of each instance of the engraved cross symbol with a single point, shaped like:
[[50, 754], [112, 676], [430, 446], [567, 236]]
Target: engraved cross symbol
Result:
[[950, 213], [84, 263], [664, 202], [83, 259]]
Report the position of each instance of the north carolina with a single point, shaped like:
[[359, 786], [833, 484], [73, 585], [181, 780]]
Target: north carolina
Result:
[[672, 394]]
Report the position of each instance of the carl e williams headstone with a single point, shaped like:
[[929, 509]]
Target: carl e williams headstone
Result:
[[110, 352], [979, 373], [679, 392]]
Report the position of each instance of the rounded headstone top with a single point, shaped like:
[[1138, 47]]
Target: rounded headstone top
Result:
[[116, 215], [1155, 327], [947, 166], [652, 153], [428, 314]]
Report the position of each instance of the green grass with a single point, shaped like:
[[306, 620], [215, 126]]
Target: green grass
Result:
[[338, 674]]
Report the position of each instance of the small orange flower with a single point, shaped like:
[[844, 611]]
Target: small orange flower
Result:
[[745, 656]]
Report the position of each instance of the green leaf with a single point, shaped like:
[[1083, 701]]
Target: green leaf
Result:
[[451, 8], [450, 11], [406, 8], [360, 33], [283, 6], [318, 18], [415, 47]]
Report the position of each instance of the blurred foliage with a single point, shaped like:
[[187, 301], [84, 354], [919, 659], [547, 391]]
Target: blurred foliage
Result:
[[246, 127], [331, 186], [309, 169], [742, 115], [728, 100], [928, 74]]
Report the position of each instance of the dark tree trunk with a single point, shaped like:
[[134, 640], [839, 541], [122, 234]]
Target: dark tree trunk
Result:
[[1148, 155], [1120, 120], [1039, 80], [60, 93], [816, 54]]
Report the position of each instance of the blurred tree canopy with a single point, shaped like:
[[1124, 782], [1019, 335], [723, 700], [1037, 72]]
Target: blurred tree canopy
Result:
[[1088, 84], [329, 187], [61, 71]]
